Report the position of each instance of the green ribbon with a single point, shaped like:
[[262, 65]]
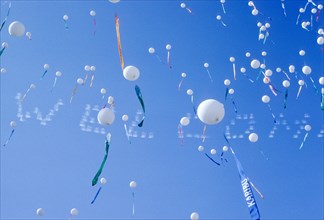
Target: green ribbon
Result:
[[140, 98], [96, 177]]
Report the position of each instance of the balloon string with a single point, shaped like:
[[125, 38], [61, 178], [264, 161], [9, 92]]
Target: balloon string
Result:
[[273, 90], [322, 102], [204, 134], [188, 10], [262, 153], [285, 99], [73, 93], [226, 140], [223, 23], [66, 25], [44, 74], [258, 191], [85, 79], [140, 98], [265, 37], [315, 88], [158, 57], [234, 71], [24, 96], [127, 134], [94, 26], [302, 144], [94, 199], [222, 158], [318, 14], [283, 7], [286, 75], [251, 80], [133, 194], [13, 130], [168, 59], [209, 75], [180, 133], [6, 18], [55, 79], [1, 51], [273, 116], [235, 109], [96, 177], [226, 93], [193, 106], [298, 19], [223, 8], [92, 78], [299, 90], [119, 43], [179, 86], [212, 159]]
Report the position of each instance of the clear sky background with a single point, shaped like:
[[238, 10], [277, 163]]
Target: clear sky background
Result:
[[50, 165]]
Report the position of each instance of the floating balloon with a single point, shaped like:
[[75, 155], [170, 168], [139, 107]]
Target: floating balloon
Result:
[[87, 68], [255, 12], [189, 92], [65, 18], [268, 72], [231, 91], [92, 13], [265, 99], [106, 116], [3, 70], [184, 121], [213, 151], [103, 91], [74, 212], [219, 18], [103, 180], [321, 80], [253, 137], [264, 53], [151, 50], [131, 73], [201, 148], [16, 29], [286, 83], [247, 54], [28, 35], [125, 117], [168, 48], [225, 148], [210, 111], [132, 184], [291, 68], [302, 52], [255, 64], [227, 82], [114, 1], [307, 127], [40, 212], [320, 40], [306, 70], [194, 216], [80, 81]]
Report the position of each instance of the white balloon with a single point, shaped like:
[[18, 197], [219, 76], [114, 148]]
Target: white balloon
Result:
[[189, 92], [110, 100], [306, 70], [322, 91], [302, 52], [168, 47], [266, 80], [307, 127], [259, 24], [114, 1], [231, 91], [103, 91], [232, 59], [93, 68], [253, 137], [40, 212], [125, 117], [151, 50], [46, 66], [320, 40], [264, 53], [301, 10], [255, 12], [194, 216], [250, 3], [243, 70], [87, 68], [184, 121], [210, 111], [320, 6], [304, 24], [206, 65], [13, 124], [320, 31], [222, 1], [132, 184], [267, 25], [218, 17], [80, 81], [103, 180], [261, 36], [291, 68], [265, 99], [131, 73], [321, 80], [278, 70], [201, 148], [3, 70], [16, 29], [92, 13], [247, 54], [227, 82], [4, 45], [28, 34], [106, 116], [301, 82], [225, 148], [314, 10], [268, 72], [58, 74], [262, 66], [213, 151], [65, 17], [32, 86], [182, 5], [255, 64], [286, 83], [74, 212], [263, 28], [183, 75]]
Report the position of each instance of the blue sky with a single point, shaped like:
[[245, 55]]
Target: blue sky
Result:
[[50, 165]]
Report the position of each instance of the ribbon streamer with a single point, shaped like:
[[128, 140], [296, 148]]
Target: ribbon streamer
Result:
[[222, 158], [258, 191], [223, 8], [5, 144], [6, 18], [44, 74], [209, 75], [226, 93], [212, 159], [180, 133], [73, 93], [133, 194], [273, 116], [94, 199], [28, 90], [139, 96], [235, 109], [247, 191], [204, 134], [193, 106], [65, 24], [91, 81], [55, 79], [127, 134], [234, 71], [85, 79], [285, 99], [179, 86], [322, 102], [315, 88], [96, 177], [1, 51], [168, 59], [318, 14], [272, 88], [299, 90], [94, 26], [286, 75], [283, 7], [119, 43], [302, 144]]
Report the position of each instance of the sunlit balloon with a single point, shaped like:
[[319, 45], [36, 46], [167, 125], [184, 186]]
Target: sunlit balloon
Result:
[[266, 80], [253, 137], [247, 54], [184, 121], [74, 212], [87, 68], [183, 75], [103, 180], [65, 17], [225, 148], [80, 81], [321, 80], [103, 91], [168, 47], [278, 69], [255, 12], [132, 184], [206, 65], [306, 70], [243, 70], [189, 92], [131, 73], [265, 99], [301, 82], [286, 83], [267, 25], [262, 66], [201, 148], [320, 6], [213, 151], [125, 118], [28, 34], [301, 10], [302, 52], [227, 82], [307, 127], [210, 111], [13, 124], [263, 28], [268, 72], [182, 5], [264, 53], [106, 116], [3, 70], [320, 31], [58, 74], [259, 24], [314, 10], [291, 68], [92, 13], [40, 212], [16, 29], [231, 91], [151, 50], [92, 68], [261, 36], [218, 17], [255, 64], [194, 216], [320, 40], [232, 59], [110, 100], [46, 66]]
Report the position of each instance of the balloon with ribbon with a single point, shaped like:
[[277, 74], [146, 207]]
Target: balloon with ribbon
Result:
[[125, 119], [93, 14], [57, 74], [266, 99], [65, 19], [46, 67], [4, 45], [168, 48], [151, 50], [206, 65], [219, 18], [286, 84], [103, 181], [32, 86], [133, 185], [13, 125], [307, 129], [183, 75], [223, 7], [80, 81], [183, 5]]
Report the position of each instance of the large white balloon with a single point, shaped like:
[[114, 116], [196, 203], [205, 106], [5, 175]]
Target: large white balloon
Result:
[[194, 216], [184, 121], [253, 137], [106, 116], [265, 99], [255, 64], [306, 70], [210, 111], [40, 212], [16, 29], [131, 73], [286, 83]]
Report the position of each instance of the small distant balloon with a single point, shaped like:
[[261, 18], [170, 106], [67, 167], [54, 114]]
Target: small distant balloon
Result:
[[213, 151], [243, 70], [103, 181], [151, 50], [286, 83], [13, 124], [306, 70], [184, 121], [265, 99], [201, 148], [110, 100], [225, 148], [168, 47], [227, 82], [302, 52], [3, 70], [264, 53], [266, 80], [65, 17], [16, 29], [28, 34], [253, 137], [125, 118], [40, 212], [232, 59], [92, 13], [307, 127], [87, 68], [93, 68], [231, 91], [132, 184], [194, 216], [189, 92], [182, 5], [74, 212], [321, 80], [278, 69], [262, 66], [291, 68], [247, 54], [58, 74], [46, 66], [114, 1], [268, 72], [255, 12], [131, 73], [301, 82], [103, 91], [206, 65], [183, 75], [320, 40], [80, 81]]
